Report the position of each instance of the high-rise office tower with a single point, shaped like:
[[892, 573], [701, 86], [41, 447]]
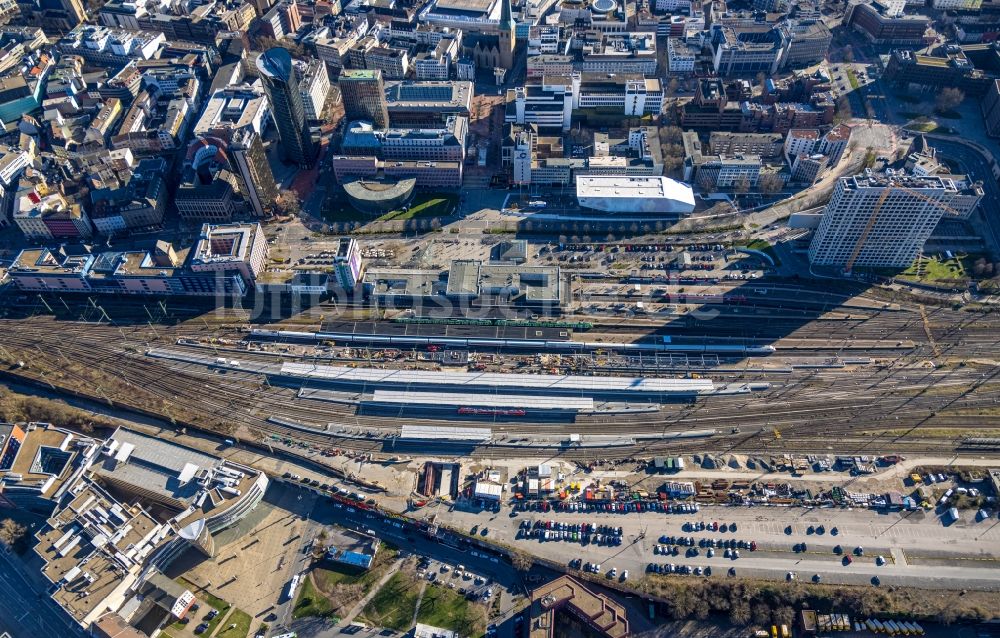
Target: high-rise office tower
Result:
[[250, 159], [364, 96], [281, 84], [880, 220]]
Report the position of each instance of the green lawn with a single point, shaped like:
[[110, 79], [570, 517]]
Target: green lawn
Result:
[[853, 79], [923, 124], [241, 620], [932, 269], [439, 205], [443, 607], [310, 601], [394, 604], [764, 246], [332, 574]]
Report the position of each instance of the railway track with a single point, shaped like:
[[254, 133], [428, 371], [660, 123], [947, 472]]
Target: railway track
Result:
[[244, 400]]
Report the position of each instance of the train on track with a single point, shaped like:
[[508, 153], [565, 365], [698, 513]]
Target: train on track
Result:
[[506, 323], [536, 345], [465, 410]]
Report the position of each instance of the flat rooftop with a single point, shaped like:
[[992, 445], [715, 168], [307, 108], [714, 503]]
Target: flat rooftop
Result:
[[495, 381], [464, 6], [633, 188], [433, 432], [428, 95], [898, 179], [39, 456], [405, 283], [90, 544], [173, 475], [461, 399], [568, 594]]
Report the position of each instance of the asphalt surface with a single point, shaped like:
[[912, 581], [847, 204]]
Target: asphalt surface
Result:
[[25, 610], [444, 548], [919, 550], [976, 166]]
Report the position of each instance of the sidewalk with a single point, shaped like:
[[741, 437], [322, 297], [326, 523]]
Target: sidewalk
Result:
[[357, 609]]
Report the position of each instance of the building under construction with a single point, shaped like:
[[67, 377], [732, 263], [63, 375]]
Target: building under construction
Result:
[[440, 480]]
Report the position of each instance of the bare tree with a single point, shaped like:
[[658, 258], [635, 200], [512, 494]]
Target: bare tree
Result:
[[673, 156], [741, 185], [521, 561], [11, 532], [770, 183], [761, 614], [289, 203], [671, 135], [843, 112], [948, 99], [739, 613]]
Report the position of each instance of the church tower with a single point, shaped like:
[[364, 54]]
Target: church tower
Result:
[[507, 36]]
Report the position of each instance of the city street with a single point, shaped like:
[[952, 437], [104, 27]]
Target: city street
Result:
[[975, 165], [25, 610]]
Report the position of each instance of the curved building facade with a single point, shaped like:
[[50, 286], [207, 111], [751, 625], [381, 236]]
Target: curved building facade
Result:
[[378, 198], [635, 195]]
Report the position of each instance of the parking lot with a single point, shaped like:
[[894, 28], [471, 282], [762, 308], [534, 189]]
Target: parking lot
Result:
[[458, 577], [824, 545]]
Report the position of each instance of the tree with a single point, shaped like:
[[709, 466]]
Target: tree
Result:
[[784, 615], [843, 112], [263, 43], [948, 99], [289, 203], [11, 532], [522, 562], [673, 156], [848, 53], [671, 135], [739, 614], [770, 183], [979, 267], [721, 208], [870, 158], [741, 185], [761, 614]]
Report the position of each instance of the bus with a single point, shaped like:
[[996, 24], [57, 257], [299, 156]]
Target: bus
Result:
[[292, 584]]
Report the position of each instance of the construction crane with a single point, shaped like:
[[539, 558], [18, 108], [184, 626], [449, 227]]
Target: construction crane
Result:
[[863, 237]]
